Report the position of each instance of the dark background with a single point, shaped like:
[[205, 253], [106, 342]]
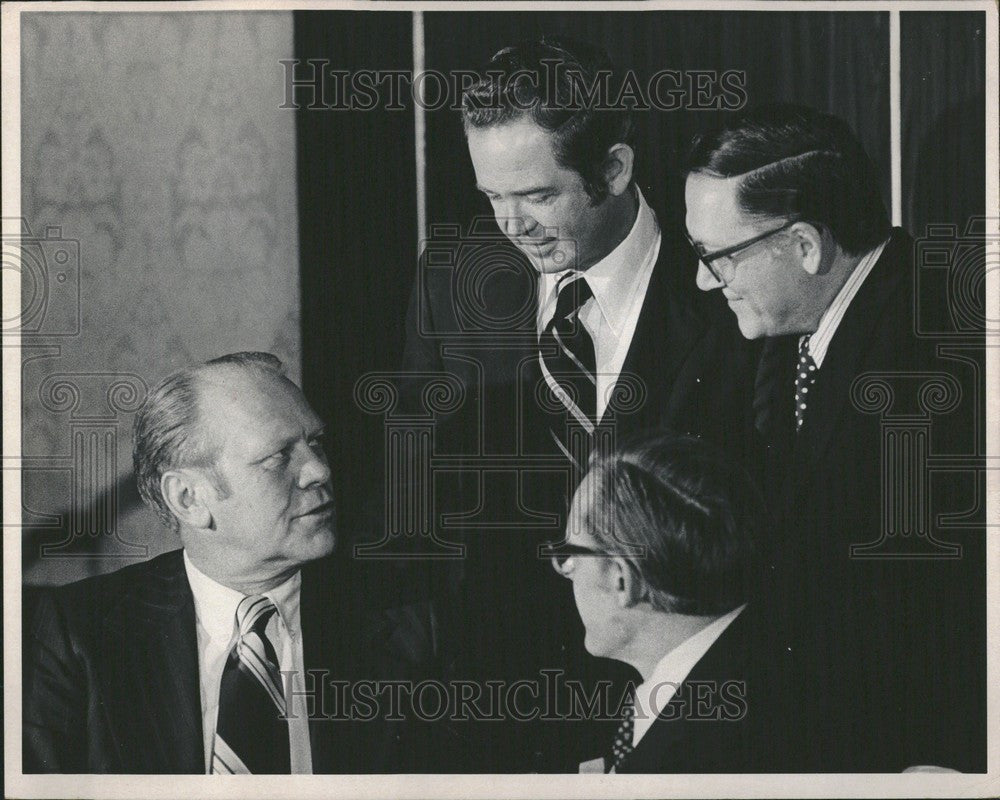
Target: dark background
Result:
[[357, 172]]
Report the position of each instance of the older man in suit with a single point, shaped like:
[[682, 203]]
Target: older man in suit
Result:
[[784, 209], [573, 324], [219, 657], [664, 549]]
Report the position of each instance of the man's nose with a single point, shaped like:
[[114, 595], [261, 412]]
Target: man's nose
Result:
[[706, 280], [513, 222], [315, 469]]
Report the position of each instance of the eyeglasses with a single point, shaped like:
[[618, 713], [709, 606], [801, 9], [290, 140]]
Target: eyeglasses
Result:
[[562, 552], [725, 267]]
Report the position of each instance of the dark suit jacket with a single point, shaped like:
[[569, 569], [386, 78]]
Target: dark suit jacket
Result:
[[893, 633], [473, 314], [730, 713], [112, 680]]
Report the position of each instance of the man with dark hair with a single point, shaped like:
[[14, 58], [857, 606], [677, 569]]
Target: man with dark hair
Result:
[[575, 325], [784, 209], [662, 547], [218, 657]]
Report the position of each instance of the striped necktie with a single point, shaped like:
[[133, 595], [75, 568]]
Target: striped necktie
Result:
[[569, 366], [251, 734]]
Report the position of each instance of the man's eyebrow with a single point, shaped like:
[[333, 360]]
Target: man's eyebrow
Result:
[[282, 444], [520, 192]]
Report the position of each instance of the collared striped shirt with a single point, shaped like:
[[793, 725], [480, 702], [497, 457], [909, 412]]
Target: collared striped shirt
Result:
[[819, 341]]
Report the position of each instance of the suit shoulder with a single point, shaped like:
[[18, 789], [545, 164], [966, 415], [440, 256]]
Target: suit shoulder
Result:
[[100, 595]]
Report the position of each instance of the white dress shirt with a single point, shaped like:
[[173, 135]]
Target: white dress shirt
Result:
[[618, 282], [819, 342], [653, 695], [215, 614]]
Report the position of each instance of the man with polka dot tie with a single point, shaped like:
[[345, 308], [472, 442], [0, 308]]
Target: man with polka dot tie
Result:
[[785, 211], [678, 603]]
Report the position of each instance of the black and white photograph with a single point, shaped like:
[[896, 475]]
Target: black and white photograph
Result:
[[554, 399]]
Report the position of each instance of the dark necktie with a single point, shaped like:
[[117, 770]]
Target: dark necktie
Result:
[[623, 737], [251, 734], [566, 356], [805, 377]]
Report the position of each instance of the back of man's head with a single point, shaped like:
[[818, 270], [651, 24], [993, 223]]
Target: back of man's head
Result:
[[696, 518], [798, 163], [168, 429], [566, 88]]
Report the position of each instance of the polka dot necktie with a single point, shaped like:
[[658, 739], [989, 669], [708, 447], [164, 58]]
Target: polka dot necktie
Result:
[[805, 377], [623, 737]]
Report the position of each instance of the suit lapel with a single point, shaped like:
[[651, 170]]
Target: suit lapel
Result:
[[317, 652], [160, 712], [343, 642], [667, 330], [853, 338], [660, 749]]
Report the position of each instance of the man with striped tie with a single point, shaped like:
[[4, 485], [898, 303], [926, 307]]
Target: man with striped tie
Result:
[[576, 323], [218, 657], [785, 210]]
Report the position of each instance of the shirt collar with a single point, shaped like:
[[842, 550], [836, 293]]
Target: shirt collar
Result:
[[819, 341], [652, 696], [215, 605], [613, 279]]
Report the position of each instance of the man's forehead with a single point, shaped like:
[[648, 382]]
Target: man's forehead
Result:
[[713, 206], [252, 402], [512, 146]]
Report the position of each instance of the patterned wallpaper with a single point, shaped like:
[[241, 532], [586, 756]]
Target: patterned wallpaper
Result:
[[160, 225]]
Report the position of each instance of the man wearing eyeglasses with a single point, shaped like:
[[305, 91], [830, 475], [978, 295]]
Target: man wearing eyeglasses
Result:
[[576, 321], [784, 209], [663, 548]]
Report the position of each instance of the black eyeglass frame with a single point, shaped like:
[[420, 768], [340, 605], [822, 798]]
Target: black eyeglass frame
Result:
[[708, 258], [561, 552]]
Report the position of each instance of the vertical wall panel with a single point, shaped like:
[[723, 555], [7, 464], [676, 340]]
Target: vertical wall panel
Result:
[[357, 205], [943, 112]]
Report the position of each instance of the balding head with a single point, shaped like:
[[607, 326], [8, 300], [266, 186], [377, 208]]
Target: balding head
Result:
[[168, 432], [229, 453]]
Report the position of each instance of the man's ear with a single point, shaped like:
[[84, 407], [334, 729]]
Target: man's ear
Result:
[[185, 493], [626, 583], [809, 246], [618, 168]]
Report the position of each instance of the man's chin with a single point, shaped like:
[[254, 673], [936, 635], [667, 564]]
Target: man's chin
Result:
[[750, 326], [322, 539], [321, 545], [548, 259]]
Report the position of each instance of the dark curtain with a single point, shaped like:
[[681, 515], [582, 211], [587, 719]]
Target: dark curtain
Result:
[[838, 62], [357, 237], [943, 69], [357, 174]]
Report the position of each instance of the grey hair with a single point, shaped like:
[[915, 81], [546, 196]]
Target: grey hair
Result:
[[167, 434], [683, 517]]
